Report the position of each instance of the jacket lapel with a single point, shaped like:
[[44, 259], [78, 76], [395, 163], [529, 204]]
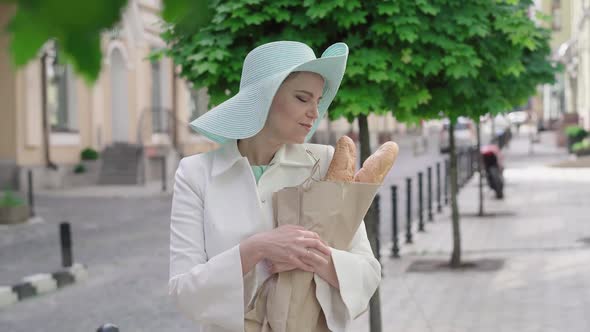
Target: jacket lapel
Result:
[[290, 155], [233, 183]]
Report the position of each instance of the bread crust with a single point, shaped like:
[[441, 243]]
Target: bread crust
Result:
[[376, 167], [343, 164]]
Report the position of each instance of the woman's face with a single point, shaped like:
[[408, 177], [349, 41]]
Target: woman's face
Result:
[[294, 108]]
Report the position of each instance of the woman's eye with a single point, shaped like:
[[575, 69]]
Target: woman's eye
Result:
[[301, 99]]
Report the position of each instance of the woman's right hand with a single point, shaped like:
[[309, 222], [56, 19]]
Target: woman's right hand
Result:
[[284, 246]]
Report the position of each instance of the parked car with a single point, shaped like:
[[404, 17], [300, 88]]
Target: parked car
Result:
[[518, 118], [465, 135]]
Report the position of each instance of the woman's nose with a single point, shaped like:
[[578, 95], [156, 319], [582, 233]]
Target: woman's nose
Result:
[[313, 113]]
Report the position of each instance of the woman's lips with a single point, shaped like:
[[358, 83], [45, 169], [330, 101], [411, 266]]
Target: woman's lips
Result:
[[306, 126]]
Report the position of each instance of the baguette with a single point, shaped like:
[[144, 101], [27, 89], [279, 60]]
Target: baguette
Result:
[[376, 167], [342, 166]]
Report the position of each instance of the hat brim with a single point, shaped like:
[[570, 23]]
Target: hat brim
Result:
[[245, 114]]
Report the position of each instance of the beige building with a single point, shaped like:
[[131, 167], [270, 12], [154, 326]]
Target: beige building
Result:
[[136, 115], [577, 59], [571, 46], [49, 115], [554, 100]]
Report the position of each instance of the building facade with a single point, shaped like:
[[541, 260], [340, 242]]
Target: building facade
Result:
[[49, 115], [569, 97]]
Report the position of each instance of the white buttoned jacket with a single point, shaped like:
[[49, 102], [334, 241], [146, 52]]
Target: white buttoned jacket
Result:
[[216, 204]]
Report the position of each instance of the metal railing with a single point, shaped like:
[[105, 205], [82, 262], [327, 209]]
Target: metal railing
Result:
[[433, 192], [159, 120]]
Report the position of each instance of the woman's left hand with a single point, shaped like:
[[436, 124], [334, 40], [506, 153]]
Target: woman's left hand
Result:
[[314, 258], [322, 265]]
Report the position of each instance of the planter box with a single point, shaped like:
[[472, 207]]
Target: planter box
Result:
[[571, 141], [14, 214], [88, 178], [585, 152]]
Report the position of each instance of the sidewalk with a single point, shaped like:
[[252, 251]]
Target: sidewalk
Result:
[[540, 231], [150, 189]]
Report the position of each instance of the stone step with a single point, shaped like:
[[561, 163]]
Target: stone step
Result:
[[117, 179], [121, 164]]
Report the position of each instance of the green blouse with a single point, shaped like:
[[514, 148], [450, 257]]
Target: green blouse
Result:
[[258, 170]]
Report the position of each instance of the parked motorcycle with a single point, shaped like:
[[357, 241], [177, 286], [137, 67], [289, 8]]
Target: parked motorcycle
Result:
[[493, 166]]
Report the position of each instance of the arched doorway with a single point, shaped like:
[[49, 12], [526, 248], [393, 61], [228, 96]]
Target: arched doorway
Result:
[[119, 98]]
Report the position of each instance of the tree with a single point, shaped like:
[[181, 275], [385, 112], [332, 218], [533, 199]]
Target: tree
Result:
[[530, 53], [420, 59], [76, 26], [503, 92], [457, 58], [212, 57]]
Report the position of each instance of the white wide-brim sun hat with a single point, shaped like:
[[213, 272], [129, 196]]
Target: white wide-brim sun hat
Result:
[[265, 68]]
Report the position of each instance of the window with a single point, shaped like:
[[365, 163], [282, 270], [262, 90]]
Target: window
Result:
[[158, 118], [556, 15], [60, 89], [198, 101]]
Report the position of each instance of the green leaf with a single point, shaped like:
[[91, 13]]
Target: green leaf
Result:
[[26, 39], [83, 51], [407, 55], [175, 10], [388, 7], [480, 56]]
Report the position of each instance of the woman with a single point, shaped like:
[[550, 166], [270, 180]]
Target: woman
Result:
[[222, 242]]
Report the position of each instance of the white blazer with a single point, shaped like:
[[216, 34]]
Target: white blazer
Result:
[[216, 204]]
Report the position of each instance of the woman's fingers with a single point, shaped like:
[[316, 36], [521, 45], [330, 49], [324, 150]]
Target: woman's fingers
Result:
[[296, 262], [315, 258], [306, 262], [309, 234], [294, 247], [316, 244], [277, 268]]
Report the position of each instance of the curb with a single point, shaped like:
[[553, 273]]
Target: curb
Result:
[[41, 283]]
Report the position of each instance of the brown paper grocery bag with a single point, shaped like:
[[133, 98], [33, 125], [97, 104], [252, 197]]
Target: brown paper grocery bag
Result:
[[286, 302]]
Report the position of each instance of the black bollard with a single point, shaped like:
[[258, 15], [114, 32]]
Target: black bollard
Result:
[[447, 182], [438, 196], [30, 193], [409, 210], [420, 204], [474, 158], [376, 227], [471, 151], [164, 174], [66, 244], [467, 171], [108, 328], [460, 170], [429, 193], [395, 246]]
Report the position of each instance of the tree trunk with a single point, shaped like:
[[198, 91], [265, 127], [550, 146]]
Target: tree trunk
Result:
[[370, 221], [456, 255], [174, 121], [493, 127], [331, 134], [481, 213], [45, 115]]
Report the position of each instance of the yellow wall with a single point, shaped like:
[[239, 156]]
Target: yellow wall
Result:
[[21, 132], [29, 120], [7, 91], [30, 131], [563, 34]]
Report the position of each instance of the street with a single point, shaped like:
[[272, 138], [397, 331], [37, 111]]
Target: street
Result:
[[102, 99], [540, 233], [124, 243]]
